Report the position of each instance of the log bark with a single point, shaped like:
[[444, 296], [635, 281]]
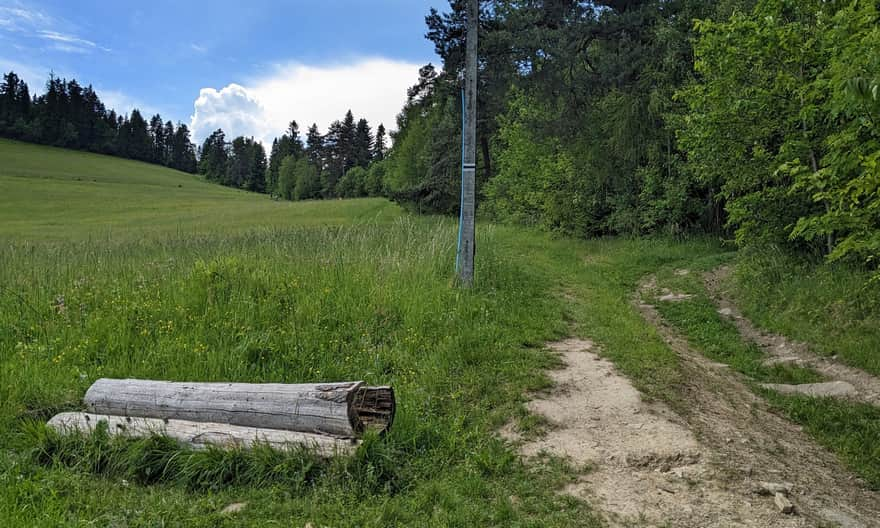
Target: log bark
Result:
[[200, 435], [342, 409]]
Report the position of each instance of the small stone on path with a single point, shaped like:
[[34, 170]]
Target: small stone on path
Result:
[[772, 488], [675, 297], [727, 312], [785, 506]]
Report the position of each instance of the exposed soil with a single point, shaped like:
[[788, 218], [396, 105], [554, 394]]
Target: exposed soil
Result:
[[648, 466], [779, 349]]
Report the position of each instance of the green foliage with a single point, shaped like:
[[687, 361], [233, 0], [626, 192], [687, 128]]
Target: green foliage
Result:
[[536, 182], [286, 184], [784, 122], [848, 183], [352, 184], [307, 181], [374, 181], [423, 171], [752, 111]]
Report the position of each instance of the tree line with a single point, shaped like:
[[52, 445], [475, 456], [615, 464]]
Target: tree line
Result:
[[72, 116], [336, 164], [757, 118]]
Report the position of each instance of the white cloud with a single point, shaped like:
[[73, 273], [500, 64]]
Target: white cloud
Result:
[[372, 88], [233, 109], [20, 18], [22, 21], [69, 43]]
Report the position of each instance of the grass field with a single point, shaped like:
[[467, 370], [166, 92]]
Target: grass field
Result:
[[57, 194], [192, 281]]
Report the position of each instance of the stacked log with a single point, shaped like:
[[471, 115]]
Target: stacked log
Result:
[[328, 418]]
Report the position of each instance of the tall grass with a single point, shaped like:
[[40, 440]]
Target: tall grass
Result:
[[834, 307], [370, 302]]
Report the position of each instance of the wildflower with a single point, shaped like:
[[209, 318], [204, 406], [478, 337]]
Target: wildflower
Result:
[[59, 304]]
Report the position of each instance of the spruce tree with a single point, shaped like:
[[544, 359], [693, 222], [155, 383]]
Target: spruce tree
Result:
[[363, 144], [379, 146]]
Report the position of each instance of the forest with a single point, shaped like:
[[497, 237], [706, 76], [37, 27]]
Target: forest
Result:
[[338, 164], [758, 120], [68, 115]]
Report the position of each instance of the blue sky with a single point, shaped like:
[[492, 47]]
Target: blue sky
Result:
[[243, 64]]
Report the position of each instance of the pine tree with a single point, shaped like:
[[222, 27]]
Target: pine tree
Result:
[[182, 153], [315, 147], [346, 142], [363, 144], [140, 144], [379, 147], [335, 150], [160, 142], [214, 156]]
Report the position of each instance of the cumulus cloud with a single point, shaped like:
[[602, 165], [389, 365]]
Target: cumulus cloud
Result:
[[234, 109], [374, 89]]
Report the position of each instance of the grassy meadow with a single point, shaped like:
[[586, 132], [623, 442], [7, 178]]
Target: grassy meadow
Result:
[[57, 194], [113, 268]]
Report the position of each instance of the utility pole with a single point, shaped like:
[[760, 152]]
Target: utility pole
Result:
[[465, 261]]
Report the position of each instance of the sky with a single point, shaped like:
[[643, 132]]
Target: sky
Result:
[[246, 66]]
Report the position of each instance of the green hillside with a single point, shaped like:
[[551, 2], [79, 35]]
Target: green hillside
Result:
[[51, 193]]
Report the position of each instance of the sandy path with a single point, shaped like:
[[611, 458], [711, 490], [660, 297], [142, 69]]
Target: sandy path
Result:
[[779, 349], [649, 466]]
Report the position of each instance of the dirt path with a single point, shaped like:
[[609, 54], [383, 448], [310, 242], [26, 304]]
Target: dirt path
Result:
[[649, 466], [846, 381]]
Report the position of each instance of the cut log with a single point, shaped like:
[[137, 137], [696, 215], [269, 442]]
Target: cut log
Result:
[[200, 435], [342, 409]]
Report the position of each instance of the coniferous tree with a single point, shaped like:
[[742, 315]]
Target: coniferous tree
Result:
[[214, 156], [159, 141], [289, 144], [335, 150], [315, 147], [346, 145], [140, 145], [182, 155], [363, 144], [379, 147]]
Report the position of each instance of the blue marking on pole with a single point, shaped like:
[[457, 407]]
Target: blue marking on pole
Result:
[[461, 206]]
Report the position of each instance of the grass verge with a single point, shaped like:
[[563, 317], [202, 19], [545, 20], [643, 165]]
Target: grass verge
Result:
[[850, 430], [833, 307]]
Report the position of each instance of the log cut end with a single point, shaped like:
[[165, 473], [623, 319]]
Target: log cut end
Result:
[[374, 408]]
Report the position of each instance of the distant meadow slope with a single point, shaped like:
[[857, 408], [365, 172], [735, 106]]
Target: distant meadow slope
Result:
[[49, 193]]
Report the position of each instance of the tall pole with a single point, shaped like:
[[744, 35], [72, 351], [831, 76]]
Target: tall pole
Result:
[[469, 156]]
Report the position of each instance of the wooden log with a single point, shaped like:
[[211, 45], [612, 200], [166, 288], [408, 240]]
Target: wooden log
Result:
[[200, 435], [342, 409]]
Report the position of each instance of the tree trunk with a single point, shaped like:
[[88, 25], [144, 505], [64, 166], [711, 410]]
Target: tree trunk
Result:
[[200, 435], [339, 409]]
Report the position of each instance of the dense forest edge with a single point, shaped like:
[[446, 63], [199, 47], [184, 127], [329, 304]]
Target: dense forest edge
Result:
[[756, 120]]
